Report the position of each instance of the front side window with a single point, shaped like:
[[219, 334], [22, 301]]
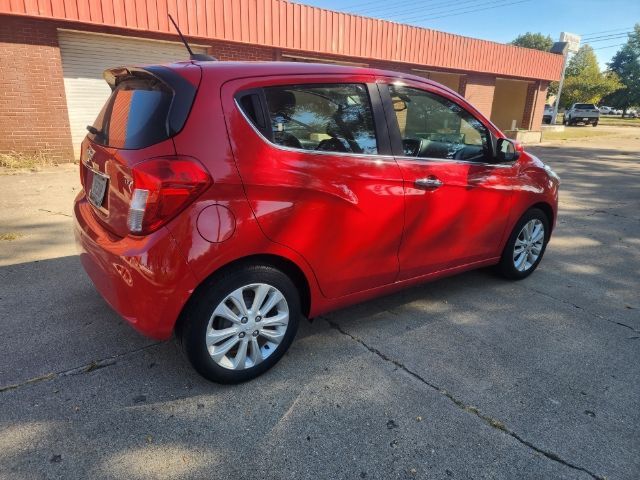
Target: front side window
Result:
[[334, 118], [432, 126]]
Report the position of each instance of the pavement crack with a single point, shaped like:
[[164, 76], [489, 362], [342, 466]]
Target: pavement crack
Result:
[[492, 422], [579, 307], [87, 368], [608, 212], [54, 213]]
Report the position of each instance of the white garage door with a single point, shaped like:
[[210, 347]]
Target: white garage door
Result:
[[86, 56]]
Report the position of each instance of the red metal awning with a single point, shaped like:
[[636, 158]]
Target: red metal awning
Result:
[[292, 26]]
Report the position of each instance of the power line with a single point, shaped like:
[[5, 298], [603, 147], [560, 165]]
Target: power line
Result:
[[610, 46], [412, 11], [363, 4], [435, 6], [402, 14], [400, 10], [606, 37], [486, 7], [604, 31]]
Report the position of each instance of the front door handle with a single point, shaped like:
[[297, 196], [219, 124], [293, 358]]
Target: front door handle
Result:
[[428, 183]]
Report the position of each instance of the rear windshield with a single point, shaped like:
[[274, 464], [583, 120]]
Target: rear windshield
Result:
[[135, 115], [585, 106]]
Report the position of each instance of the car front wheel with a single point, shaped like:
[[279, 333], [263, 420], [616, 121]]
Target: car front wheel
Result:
[[526, 245], [240, 323]]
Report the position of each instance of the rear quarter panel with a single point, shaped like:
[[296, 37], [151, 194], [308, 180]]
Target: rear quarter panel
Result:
[[205, 138]]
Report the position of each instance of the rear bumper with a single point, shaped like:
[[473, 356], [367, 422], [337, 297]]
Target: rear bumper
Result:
[[581, 118], [145, 280]]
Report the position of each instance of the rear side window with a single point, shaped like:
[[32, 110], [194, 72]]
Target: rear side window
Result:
[[135, 115], [334, 118], [585, 106]]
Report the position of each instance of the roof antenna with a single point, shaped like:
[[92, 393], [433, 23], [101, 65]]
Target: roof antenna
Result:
[[199, 57]]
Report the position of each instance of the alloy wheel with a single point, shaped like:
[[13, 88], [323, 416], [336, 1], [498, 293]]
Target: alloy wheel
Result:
[[528, 245], [247, 326]]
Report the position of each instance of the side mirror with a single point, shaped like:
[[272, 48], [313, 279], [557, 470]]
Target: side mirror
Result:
[[507, 150]]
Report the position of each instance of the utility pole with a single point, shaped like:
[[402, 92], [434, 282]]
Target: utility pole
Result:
[[569, 43], [557, 102]]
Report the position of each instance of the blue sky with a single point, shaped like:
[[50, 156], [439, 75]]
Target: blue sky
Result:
[[602, 21]]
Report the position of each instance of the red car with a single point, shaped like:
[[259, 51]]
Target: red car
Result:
[[224, 201]]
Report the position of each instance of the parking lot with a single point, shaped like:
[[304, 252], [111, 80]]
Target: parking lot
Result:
[[466, 377]]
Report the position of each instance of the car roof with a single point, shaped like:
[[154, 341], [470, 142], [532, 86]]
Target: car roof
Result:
[[228, 70]]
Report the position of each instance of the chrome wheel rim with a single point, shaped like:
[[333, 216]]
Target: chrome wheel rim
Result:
[[528, 246], [247, 326]]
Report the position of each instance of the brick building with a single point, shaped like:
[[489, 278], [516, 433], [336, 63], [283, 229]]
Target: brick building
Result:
[[53, 52]]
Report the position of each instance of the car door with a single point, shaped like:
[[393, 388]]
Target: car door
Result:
[[457, 199], [315, 160]]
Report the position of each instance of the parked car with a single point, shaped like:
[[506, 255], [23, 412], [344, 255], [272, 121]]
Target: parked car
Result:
[[606, 110], [586, 113], [224, 201], [547, 114]]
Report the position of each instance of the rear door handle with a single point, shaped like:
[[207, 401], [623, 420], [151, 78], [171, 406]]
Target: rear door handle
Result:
[[428, 183]]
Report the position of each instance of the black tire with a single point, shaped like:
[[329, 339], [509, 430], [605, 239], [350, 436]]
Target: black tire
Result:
[[595, 124], [195, 320], [564, 121], [506, 267]]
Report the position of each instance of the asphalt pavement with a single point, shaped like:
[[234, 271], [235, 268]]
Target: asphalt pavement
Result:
[[469, 377]]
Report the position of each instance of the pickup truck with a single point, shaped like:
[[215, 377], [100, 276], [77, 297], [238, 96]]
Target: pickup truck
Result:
[[548, 114], [586, 113]]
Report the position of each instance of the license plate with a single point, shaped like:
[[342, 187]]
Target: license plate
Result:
[[585, 119], [98, 188]]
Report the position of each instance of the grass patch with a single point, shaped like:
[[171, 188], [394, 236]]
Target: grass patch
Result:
[[610, 120], [619, 121], [10, 236], [15, 161], [575, 132]]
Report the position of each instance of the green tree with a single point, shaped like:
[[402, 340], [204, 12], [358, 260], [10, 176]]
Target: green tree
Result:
[[626, 65], [537, 41], [583, 81]]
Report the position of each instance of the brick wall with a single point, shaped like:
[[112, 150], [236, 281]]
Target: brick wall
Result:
[[478, 90], [534, 107], [33, 111], [541, 101], [231, 51], [33, 108]]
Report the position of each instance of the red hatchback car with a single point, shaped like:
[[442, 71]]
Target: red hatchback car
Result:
[[223, 201]]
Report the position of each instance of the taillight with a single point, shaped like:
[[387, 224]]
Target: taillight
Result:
[[162, 187]]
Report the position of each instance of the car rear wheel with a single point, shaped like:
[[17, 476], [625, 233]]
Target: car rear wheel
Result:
[[526, 245], [241, 323], [595, 124]]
